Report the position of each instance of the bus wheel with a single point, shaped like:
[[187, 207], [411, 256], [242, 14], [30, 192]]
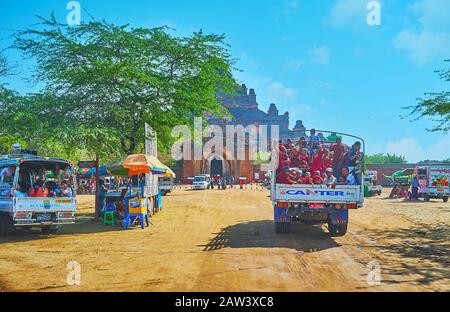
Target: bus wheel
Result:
[[445, 199], [426, 198], [46, 230], [342, 229], [332, 228], [6, 225]]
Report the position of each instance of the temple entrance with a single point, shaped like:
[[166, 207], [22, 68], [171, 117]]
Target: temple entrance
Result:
[[216, 167]]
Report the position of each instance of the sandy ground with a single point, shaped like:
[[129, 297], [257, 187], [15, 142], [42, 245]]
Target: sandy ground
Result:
[[225, 241]]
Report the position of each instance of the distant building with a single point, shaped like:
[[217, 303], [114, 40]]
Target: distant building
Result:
[[245, 111]]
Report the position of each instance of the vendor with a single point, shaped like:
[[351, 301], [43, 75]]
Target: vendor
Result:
[[102, 191]]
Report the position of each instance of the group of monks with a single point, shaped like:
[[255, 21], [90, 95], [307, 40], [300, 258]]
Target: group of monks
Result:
[[308, 161]]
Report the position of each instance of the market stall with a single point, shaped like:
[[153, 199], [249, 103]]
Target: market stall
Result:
[[139, 202]]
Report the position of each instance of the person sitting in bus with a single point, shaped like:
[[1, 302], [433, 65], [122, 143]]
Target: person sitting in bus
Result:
[[337, 149], [317, 179], [346, 178], [307, 179], [285, 177], [318, 160], [289, 145], [304, 158], [330, 180], [356, 161], [294, 158], [38, 190], [314, 141], [327, 159], [302, 143]]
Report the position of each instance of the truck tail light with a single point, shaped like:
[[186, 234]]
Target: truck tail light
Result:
[[282, 205], [23, 215], [64, 215], [352, 206]]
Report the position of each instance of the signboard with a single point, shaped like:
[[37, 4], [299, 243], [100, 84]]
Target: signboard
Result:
[[151, 149], [440, 176], [43, 205], [302, 193]]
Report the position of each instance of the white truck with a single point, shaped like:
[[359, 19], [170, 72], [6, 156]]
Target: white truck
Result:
[[314, 204], [166, 185], [371, 182], [20, 208], [201, 182], [434, 181]]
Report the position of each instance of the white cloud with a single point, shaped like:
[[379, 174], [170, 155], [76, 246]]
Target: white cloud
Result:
[[319, 55], [432, 39], [345, 11], [414, 152], [424, 46], [279, 91], [295, 64]]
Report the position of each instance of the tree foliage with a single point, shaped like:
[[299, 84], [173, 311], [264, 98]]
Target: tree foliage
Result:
[[435, 106], [384, 159], [102, 82]]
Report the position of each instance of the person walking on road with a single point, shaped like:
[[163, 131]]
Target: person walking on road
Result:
[[415, 189]]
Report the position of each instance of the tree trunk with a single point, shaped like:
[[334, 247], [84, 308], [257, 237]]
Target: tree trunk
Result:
[[97, 206]]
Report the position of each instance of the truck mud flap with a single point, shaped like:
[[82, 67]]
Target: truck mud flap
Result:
[[280, 215], [339, 216]]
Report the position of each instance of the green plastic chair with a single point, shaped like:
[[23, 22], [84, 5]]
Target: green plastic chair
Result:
[[109, 217]]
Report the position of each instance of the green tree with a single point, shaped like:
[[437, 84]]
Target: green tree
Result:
[[435, 106], [384, 159], [106, 81]]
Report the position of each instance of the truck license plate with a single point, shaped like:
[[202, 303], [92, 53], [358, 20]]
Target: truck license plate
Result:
[[316, 206], [43, 217]]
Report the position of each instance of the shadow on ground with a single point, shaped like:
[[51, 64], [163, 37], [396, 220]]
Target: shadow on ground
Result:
[[425, 252], [261, 234], [85, 224]]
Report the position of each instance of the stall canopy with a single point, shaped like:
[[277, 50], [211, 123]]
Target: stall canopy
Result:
[[102, 172], [139, 164]]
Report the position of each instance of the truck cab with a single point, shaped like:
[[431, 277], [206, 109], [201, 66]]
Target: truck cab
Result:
[[36, 192], [318, 203]]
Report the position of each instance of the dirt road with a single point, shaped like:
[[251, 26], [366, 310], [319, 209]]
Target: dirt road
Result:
[[225, 241]]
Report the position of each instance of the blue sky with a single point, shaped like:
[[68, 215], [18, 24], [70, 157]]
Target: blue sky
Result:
[[319, 60]]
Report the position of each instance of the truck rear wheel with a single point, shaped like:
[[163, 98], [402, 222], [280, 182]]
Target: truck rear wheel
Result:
[[342, 229], [445, 199], [426, 198], [282, 227], [6, 225]]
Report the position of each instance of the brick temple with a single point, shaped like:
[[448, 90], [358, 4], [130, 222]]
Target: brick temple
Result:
[[245, 111]]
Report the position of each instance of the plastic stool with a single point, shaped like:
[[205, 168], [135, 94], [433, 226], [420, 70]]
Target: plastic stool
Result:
[[109, 216]]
